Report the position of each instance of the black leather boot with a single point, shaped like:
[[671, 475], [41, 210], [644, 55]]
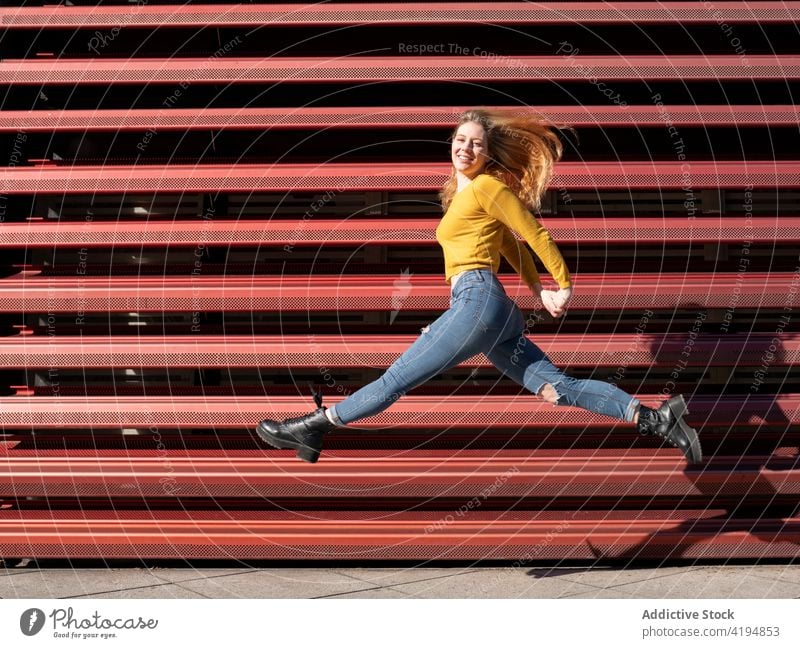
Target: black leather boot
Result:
[[303, 432], [667, 422]]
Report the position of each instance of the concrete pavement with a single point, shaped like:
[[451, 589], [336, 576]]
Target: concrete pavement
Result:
[[692, 581]]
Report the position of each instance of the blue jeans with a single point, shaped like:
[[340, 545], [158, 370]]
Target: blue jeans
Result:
[[481, 318]]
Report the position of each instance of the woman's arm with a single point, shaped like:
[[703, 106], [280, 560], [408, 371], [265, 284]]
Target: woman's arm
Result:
[[555, 302], [501, 203], [521, 260]]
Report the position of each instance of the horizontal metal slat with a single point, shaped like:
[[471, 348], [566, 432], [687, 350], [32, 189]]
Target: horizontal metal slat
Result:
[[564, 349], [438, 412], [109, 178], [399, 14], [347, 476], [300, 293], [423, 69], [386, 117], [386, 231], [382, 535]]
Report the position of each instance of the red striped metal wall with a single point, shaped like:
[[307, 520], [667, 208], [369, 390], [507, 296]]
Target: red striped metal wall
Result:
[[205, 209]]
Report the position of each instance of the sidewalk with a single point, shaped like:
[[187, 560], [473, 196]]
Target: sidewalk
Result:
[[694, 581]]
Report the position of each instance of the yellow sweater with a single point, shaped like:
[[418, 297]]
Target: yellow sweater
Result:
[[474, 232]]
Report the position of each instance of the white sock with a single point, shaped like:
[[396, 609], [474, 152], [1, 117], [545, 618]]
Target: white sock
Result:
[[330, 416]]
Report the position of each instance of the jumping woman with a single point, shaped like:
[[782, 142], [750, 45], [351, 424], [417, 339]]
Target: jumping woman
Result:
[[501, 163]]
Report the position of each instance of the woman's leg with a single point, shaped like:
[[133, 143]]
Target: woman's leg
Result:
[[528, 365], [448, 341], [518, 357], [451, 339]]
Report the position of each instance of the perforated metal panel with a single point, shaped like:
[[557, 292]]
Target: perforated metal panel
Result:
[[409, 13], [386, 117], [383, 177], [425, 293], [382, 350], [422, 69], [79, 473], [330, 232], [491, 476], [445, 412], [567, 537]]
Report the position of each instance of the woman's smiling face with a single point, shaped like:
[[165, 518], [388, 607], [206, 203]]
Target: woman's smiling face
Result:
[[469, 149]]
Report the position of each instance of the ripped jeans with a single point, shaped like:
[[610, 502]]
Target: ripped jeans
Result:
[[481, 318]]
